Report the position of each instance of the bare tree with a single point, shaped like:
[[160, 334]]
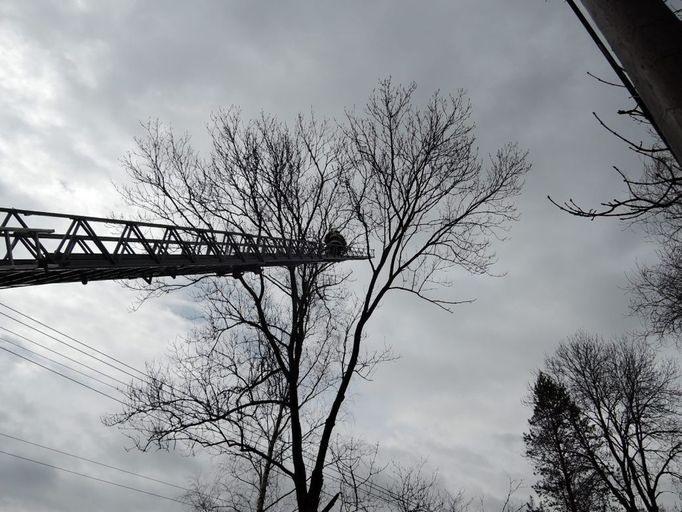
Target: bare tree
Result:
[[510, 503], [656, 192], [369, 486], [648, 57], [405, 181], [238, 485], [414, 490], [244, 382], [360, 472], [629, 429], [658, 293], [420, 194], [652, 196], [365, 485], [654, 201]]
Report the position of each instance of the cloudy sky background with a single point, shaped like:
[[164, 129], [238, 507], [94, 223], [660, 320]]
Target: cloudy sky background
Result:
[[76, 79]]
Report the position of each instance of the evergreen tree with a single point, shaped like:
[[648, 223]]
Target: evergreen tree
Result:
[[566, 481]]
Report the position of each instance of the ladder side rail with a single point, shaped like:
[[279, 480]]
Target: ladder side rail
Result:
[[187, 247], [279, 246], [132, 234], [65, 246], [160, 245], [266, 245], [17, 213], [81, 234], [196, 243], [144, 240], [249, 244], [122, 245], [27, 243], [273, 245], [8, 216], [172, 242], [211, 245], [88, 218], [230, 240], [82, 241], [98, 241], [9, 253], [38, 247]]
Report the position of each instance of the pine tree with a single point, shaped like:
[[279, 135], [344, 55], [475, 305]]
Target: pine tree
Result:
[[566, 481]]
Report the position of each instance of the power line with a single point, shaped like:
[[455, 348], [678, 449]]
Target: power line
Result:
[[58, 363], [62, 355], [370, 485], [92, 461], [62, 375], [92, 389], [70, 338], [71, 346], [338, 479], [136, 489]]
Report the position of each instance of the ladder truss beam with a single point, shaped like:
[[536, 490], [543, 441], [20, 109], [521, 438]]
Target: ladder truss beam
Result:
[[43, 247]]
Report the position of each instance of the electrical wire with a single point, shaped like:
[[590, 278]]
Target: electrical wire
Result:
[[15, 438], [71, 338], [101, 393], [370, 485], [69, 345], [92, 389], [58, 363], [62, 375], [62, 355], [136, 489]]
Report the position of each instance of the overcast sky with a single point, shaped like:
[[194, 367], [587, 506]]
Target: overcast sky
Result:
[[76, 79]]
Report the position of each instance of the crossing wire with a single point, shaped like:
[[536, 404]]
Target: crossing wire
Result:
[[370, 485], [90, 477], [58, 363], [385, 492], [108, 396], [13, 333], [68, 454], [72, 347], [71, 338], [62, 375]]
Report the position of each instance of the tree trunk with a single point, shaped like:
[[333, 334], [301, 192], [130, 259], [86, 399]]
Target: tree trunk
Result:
[[265, 479], [646, 37]]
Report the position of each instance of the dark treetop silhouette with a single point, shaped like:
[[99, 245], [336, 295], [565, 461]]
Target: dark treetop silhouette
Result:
[[266, 376]]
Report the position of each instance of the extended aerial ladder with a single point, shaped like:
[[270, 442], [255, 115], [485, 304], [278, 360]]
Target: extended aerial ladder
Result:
[[41, 248]]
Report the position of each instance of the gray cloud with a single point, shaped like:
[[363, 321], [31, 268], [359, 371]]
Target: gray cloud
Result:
[[78, 77]]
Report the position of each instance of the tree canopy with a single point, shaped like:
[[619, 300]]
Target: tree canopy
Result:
[[266, 375]]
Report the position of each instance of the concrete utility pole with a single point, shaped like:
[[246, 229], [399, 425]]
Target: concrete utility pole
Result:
[[646, 37]]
